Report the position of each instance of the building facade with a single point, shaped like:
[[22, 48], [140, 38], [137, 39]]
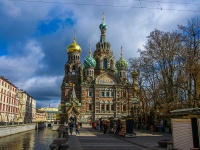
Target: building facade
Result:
[[15, 104], [50, 113], [99, 88], [9, 103], [27, 107]]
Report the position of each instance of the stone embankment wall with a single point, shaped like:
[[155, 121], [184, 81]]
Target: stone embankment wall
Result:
[[14, 129]]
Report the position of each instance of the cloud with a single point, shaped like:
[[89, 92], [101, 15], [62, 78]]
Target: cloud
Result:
[[34, 36], [21, 66]]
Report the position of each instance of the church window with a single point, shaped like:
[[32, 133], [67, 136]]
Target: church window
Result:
[[102, 94], [97, 64], [102, 107], [107, 94], [107, 107], [105, 63], [112, 94], [73, 71], [89, 94], [124, 107], [90, 107]]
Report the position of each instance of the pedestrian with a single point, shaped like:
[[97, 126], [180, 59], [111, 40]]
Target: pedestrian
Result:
[[95, 125], [71, 127], [77, 128], [105, 126], [81, 124]]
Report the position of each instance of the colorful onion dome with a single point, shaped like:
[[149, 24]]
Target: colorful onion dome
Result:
[[103, 24], [121, 64], [74, 47], [90, 61]]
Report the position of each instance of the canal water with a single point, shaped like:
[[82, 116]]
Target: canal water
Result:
[[31, 140]]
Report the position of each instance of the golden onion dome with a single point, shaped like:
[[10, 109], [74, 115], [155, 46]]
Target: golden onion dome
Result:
[[74, 47]]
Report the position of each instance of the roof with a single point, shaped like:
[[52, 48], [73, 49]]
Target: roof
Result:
[[186, 111]]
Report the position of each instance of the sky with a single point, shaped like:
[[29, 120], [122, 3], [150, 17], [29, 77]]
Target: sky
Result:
[[35, 34]]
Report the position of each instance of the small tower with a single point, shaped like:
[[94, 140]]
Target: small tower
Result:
[[103, 28], [89, 65], [73, 68], [122, 66]]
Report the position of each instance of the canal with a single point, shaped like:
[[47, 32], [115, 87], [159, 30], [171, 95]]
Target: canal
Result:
[[31, 140]]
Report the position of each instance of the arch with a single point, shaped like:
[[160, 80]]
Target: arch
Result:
[[104, 63], [97, 64]]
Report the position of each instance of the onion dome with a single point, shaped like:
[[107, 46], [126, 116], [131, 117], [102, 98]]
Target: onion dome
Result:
[[74, 47], [103, 24], [121, 64], [90, 61]]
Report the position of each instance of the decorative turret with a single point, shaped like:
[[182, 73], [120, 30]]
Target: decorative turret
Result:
[[73, 67], [103, 28], [122, 65], [89, 64], [89, 61]]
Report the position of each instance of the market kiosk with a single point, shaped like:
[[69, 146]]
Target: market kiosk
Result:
[[125, 127], [186, 129]]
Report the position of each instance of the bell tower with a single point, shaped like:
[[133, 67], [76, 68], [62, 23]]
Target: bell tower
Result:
[[73, 67]]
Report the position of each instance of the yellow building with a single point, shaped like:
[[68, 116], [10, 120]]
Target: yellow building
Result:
[[40, 116], [27, 107], [50, 113]]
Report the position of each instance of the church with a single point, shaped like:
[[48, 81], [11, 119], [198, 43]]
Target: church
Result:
[[99, 88]]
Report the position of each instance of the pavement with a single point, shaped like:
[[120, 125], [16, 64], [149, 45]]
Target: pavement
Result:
[[89, 138]]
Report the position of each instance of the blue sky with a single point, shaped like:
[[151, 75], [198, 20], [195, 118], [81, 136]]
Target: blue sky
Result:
[[34, 35]]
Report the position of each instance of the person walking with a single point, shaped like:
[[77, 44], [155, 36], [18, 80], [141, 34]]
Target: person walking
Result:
[[71, 127], [105, 126], [77, 128]]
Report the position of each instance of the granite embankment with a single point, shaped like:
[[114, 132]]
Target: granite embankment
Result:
[[14, 129]]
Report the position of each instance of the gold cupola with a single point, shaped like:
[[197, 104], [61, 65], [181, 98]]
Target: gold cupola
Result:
[[74, 47]]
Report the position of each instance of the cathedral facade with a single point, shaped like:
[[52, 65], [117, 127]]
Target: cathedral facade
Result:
[[99, 88]]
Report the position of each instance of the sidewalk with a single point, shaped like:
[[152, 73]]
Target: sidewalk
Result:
[[144, 138], [148, 139]]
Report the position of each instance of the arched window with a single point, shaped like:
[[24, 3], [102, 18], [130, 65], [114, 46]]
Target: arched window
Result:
[[105, 63], [97, 64], [73, 70]]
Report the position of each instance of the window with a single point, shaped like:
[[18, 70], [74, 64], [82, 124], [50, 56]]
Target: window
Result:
[[105, 63], [112, 107], [90, 107], [112, 94], [89, 94], [107, 94], [97, 64], [102, 107], [124, 107], [107, 107], [102, 94]]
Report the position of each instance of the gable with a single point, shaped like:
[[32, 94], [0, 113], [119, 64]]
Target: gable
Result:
[[105, 79]]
